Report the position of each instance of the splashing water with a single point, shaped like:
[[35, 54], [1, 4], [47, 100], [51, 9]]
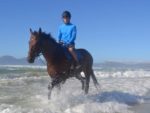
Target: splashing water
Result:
[[24, 90]]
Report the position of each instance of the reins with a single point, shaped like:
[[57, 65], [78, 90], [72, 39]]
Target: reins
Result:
[[44, 63]]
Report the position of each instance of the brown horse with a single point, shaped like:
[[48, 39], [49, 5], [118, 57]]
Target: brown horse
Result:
[[58, 64]]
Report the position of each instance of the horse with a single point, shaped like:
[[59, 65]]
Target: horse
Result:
[[58, 63]]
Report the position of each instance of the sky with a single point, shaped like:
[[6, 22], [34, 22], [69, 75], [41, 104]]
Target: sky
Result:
[[111, 30]]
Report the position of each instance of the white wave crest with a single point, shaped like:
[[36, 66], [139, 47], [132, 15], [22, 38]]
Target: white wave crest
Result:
[[123, 74]]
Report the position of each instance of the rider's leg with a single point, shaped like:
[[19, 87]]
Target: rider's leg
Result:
[[73, 53], [71, 50]]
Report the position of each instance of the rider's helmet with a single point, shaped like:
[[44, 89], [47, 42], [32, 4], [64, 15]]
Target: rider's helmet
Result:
[[66, 14]]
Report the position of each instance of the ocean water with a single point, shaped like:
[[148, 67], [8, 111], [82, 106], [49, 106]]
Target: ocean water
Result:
[[24, 90]]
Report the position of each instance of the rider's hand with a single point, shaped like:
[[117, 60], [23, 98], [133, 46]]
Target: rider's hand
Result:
[[60, 42]]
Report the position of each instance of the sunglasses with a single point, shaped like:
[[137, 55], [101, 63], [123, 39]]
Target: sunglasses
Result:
[[66, 17]]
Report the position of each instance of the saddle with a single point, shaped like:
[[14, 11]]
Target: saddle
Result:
[[69, 56]]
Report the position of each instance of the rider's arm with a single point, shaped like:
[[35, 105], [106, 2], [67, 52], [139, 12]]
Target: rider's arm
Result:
[[73, 35], [59, 35]]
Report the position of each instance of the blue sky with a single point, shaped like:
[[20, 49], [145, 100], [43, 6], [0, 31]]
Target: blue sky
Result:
[[109, 29]]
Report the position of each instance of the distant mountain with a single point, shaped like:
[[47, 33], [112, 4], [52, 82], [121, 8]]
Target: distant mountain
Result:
[[10, 60], [124, 65]]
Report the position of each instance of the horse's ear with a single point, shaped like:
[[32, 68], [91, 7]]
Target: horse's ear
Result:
[[31, 31], [40, 30]]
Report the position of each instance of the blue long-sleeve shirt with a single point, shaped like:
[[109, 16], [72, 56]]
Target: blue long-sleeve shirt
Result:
[[67, 33]]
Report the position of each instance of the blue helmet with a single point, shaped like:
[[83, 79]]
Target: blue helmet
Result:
[[66, 14]]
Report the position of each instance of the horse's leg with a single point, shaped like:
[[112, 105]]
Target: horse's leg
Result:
[[55, 82], [82, 79], [59, 87], [50, 87]]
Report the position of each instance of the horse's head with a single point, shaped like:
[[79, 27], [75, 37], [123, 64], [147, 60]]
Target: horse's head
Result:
[[34, 45]]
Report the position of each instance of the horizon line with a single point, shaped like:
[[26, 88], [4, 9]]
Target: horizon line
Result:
[[102, 61]]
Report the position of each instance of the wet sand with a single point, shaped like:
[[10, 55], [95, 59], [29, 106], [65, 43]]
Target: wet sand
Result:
[[144, 107]]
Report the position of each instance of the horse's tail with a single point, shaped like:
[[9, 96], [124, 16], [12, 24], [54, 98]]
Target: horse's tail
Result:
[[96, 84], [94, 78], [92, 73]]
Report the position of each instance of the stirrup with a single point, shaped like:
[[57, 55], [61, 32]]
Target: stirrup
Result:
[[78, 66], [72, 67]]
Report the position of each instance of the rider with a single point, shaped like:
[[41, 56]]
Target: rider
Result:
[[67, 36]]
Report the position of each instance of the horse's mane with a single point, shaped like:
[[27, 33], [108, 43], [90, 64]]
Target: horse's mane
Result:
[[45, 36], [48, 37]]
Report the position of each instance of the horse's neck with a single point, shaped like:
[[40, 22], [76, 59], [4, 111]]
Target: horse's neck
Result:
[[46, 56], [49, 51]]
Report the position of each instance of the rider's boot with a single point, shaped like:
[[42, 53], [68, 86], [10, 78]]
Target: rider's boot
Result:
[[77, 65]]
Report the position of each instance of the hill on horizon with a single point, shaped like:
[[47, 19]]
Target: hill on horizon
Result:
[[10, 60]]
